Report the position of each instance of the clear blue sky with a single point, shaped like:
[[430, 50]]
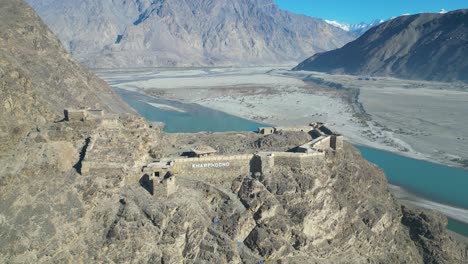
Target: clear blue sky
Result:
[[349, 11]]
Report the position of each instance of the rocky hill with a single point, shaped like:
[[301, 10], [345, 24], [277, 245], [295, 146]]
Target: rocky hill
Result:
[[424, 46], [73, 192], [38, 79], [340, 211], [186, 32]]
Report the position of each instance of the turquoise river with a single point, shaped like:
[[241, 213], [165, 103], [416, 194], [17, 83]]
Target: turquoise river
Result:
[[432, 182]]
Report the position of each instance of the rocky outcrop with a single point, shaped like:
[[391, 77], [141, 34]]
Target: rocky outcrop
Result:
[[337, 211], [428, 232], [186, 32], [424, 46]]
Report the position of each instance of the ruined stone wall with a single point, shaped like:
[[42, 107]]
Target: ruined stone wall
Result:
[[296, 160], [110, 123], [323, 144], [293, 161], [216, 169], [308, 162], [95, 113], [71, 115], [222, 169], [295, 129], [266, 130], [337, 141]]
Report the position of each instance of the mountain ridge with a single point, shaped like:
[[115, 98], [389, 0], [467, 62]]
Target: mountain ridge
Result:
[[186, 33], [428, 46]]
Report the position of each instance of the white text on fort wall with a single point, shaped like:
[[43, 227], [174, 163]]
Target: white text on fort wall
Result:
[[210, 165]]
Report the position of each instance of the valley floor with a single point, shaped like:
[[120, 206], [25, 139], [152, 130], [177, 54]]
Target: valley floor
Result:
[[417, 119]]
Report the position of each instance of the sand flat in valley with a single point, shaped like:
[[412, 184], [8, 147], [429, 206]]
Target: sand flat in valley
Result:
[[431, 121]]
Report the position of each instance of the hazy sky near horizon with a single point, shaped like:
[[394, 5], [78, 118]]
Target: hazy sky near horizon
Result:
[[367, 10]]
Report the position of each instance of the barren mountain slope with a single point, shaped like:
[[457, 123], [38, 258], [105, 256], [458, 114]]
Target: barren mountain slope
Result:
[[186, 32], [424, 46], [38, 79]]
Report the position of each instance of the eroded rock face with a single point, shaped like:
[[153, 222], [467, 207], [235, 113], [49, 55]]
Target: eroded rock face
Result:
[[427, 230]]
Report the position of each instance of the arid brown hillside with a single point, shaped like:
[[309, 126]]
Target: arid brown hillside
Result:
[[38, 79]]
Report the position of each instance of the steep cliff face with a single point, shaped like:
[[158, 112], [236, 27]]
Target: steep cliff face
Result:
[[186, 32], [424, 46], [38, 79]]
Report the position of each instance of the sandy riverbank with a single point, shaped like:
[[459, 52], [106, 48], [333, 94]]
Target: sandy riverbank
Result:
[[167, 107], [450, 211]]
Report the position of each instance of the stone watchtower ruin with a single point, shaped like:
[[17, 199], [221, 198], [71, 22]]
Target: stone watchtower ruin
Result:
[[159, 179], [159, 186], [163, 186]]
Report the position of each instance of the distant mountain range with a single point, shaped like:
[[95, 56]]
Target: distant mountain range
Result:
[[357, 29], [423, 46], [120, 33]]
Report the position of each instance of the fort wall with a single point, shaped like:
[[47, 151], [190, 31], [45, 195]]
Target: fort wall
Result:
[[296, 160], [95, 113], [323, 144], [336, 142], [75, 115], [83, 114], [222, 170], [230, 167], [295, 129], [288, 160], [215, 169]]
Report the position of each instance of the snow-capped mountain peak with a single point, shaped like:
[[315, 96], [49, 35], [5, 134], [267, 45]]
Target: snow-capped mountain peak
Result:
[[343, 26], [358, 29]]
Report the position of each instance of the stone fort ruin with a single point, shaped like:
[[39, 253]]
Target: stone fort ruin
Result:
[[202, 163], [82, 114]]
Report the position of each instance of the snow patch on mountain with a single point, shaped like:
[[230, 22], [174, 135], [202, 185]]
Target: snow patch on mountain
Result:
[[358, 29], [343, 26]]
